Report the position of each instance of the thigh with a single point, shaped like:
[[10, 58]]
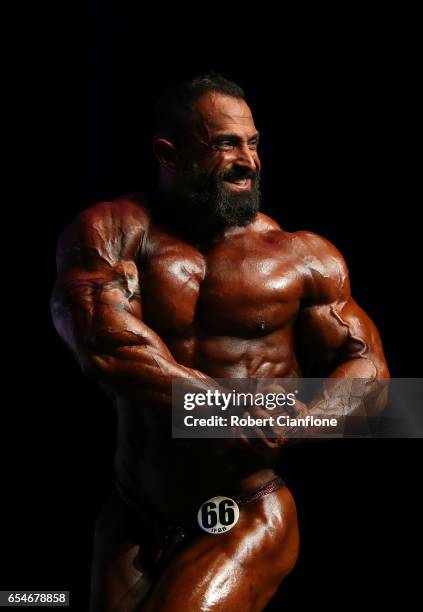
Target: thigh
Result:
[[237, 570], [118, 582]]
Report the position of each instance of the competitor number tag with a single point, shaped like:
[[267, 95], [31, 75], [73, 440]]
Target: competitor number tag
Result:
[[218, 514]]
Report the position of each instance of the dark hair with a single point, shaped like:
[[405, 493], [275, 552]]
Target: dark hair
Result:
[[173, 111]]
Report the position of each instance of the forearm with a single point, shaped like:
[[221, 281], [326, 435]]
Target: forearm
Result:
[[115, 348], [143, 373], [353, 393]]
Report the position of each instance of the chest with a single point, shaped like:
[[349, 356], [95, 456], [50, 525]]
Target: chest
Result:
[[242, 287]]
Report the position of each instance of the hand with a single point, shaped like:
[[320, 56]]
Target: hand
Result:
[[270, 433]]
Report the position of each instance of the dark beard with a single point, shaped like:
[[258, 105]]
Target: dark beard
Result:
[[203, 205]]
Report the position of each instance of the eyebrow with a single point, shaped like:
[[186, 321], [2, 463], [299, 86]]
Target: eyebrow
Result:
[[233, 138]]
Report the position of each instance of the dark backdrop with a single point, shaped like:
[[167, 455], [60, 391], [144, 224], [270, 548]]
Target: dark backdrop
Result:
[[333, 92]]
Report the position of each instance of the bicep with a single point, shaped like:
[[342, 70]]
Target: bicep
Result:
[[98, 313], [332, 328], [96, 303], [331, 334]]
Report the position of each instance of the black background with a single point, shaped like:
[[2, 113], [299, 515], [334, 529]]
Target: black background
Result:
[[333, 92]]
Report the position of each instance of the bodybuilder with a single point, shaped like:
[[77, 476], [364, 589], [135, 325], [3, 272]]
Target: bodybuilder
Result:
[[191, 282]]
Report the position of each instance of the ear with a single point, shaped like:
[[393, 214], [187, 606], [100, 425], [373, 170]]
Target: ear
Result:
[[166, 154]]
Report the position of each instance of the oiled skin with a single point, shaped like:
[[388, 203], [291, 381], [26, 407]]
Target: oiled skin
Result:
[[141, 303], [140, 306]]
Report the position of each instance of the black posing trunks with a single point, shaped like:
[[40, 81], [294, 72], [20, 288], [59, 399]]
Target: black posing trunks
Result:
[[161, 539]]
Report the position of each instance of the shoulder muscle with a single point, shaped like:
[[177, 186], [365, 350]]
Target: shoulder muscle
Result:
[[103, 235], [326, 272]]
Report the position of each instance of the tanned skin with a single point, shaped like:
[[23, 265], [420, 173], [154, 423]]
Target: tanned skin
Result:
[[141, 303]]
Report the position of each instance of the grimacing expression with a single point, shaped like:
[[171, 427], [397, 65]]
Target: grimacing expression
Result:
[[224, 140], [218, 174]]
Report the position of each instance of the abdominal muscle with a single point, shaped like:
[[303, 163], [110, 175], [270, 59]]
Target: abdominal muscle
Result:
[[269, 355]]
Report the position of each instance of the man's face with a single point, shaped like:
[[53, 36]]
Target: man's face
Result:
[[219, 172]]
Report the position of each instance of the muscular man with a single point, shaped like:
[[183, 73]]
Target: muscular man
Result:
[[192, 283]]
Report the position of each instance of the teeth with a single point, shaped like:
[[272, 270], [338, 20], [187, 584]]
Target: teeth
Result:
[[239, 182]]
